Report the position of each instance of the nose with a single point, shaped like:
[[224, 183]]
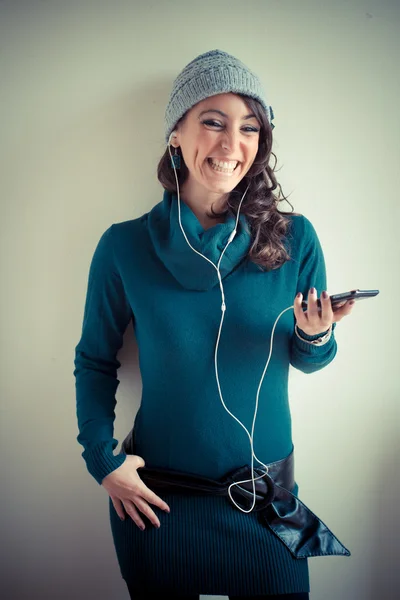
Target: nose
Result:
[[230, 141]]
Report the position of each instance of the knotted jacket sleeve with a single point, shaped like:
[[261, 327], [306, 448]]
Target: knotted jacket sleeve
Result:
[[107, 314]]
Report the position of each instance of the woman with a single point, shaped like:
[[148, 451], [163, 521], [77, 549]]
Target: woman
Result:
[[208, 277]]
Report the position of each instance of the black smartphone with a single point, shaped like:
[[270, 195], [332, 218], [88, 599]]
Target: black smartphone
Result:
[[337, 300]]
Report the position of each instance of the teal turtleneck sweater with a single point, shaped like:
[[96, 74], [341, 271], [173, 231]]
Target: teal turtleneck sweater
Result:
[[143, 270]]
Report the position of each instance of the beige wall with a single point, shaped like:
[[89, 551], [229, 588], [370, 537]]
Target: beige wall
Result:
[[83, 90]]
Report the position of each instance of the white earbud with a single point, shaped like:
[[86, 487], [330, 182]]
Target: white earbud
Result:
[[173, 133]]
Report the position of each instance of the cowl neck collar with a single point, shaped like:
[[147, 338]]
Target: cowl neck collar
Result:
[[192, 271]]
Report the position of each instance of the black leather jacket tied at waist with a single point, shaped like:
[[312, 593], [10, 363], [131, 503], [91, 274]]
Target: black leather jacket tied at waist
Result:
[[302, 532]]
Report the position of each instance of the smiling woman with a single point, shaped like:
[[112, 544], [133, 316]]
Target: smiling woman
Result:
[[143, 272], [224, 164], [220, 157]]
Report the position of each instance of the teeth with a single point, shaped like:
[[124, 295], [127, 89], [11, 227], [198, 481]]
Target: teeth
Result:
[[223, 164]]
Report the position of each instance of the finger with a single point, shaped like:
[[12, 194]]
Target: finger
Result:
[[133, 513], [119, 509], [319, 317], [345, 310], [145, 492], [140, 463], [312, 302], [326, 307], [348, 307], [150, 496], [298, 310], [336, 307], [146, 510]]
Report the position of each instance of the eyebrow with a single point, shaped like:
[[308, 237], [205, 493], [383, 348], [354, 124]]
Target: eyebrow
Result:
[[223, 114]]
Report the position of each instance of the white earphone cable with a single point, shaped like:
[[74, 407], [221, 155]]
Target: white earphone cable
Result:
[[223, 308]]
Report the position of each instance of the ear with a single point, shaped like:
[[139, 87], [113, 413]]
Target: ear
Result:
[[175, 138]]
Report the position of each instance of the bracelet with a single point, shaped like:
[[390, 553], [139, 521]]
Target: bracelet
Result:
[[319, 341]]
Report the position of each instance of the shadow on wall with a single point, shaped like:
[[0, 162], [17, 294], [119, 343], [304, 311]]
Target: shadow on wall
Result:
[[129, 391]]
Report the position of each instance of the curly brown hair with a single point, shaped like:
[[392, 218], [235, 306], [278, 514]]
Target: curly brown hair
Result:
[[268, 226]]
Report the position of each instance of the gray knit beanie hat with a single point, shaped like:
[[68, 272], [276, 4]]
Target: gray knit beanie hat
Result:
[[211, 73]]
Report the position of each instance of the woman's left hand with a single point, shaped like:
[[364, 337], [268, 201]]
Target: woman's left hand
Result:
[[314, 321]]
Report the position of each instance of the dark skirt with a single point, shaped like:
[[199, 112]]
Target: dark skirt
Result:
[[205, 546]]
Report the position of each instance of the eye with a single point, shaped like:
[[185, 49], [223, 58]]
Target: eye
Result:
[[216, 124]]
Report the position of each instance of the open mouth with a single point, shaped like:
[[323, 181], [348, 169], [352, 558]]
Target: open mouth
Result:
[[221, 169]]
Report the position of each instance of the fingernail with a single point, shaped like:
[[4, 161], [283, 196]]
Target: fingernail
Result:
[[298, 295], [352, 302], [142, 527], [324, 294], [122, 518], [312, 290]]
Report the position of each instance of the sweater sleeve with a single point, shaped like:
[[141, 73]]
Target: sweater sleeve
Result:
[[107, 314], [312, 273]]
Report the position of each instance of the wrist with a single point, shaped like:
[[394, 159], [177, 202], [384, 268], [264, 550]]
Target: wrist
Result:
[[318, 339], [311, 336]]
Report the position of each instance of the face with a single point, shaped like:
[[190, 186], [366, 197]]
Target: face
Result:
[[231, 137]]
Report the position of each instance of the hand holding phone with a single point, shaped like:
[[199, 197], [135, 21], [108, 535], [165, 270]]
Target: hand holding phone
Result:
[[338, 300]]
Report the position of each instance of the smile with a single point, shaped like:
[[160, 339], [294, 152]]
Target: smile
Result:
[[220, 170]]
